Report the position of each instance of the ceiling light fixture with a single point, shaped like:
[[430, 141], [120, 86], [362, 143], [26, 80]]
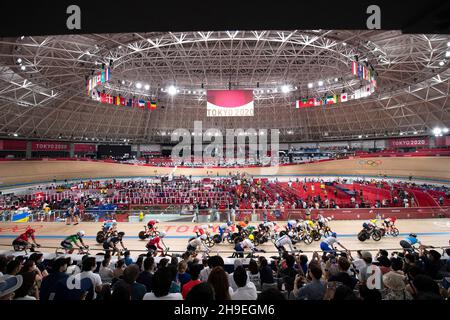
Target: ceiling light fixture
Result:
[[172, 90], [320, 83], [138, 85], [147, 87]]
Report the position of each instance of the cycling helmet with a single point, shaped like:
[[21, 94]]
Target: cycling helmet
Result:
[[290, 234], [81, 233], [229, 223], [210, 225], [30, 231], [114, 223], [121, 234], [251, 237], [162, 234], [334, 235], [413, 235], [203, 237], [157, 220]]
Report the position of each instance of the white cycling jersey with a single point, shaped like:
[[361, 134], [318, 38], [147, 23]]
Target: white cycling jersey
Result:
[[284, 240], [247, 244]]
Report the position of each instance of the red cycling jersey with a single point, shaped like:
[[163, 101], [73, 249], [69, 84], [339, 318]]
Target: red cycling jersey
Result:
[[155, 242], [25, 237]]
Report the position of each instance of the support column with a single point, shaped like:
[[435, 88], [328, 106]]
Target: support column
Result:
[[28, 153], [72, 150]]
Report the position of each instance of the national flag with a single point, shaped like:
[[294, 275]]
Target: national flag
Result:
[[135, 103], [357, 94], [103, 97], [343, 97], [360, 71], [317, 102], [89, 86], [107, 75], [331, 99], [374, 83], [99, 78], [141, 104], [354, 68], [95, 95], [129, 102], [102, 78], [117, 101], [109, 99], [369, 75], [123, 101]]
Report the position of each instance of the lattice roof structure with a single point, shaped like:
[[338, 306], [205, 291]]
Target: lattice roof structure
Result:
[[43, 83]]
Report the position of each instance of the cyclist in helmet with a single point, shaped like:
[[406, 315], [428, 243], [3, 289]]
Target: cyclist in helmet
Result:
[[327, 245], [72, 240], [111, 243], [109, 226], [22, 241], [240, 247], [292, 224], [389, 222], [282, 241], [197, 244], [151, 225], [224, 228], [204, 229], [153, 245], [408, 243]]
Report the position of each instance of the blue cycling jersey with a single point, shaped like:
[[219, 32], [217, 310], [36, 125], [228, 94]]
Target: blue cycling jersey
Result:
[[411, 240]]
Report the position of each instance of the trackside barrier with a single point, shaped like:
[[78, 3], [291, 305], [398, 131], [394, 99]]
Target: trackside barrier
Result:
[[250, 214], [443, 248]]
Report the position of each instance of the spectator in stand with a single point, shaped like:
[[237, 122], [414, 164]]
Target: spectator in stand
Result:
[[314, 289], [425, 288], [89, 265], [105, 272], [8, 286], [161, 283], [246, 290], [130, 274], [253, 274], [118, 270], [395, 283], [146, 276], [194, 271], [28, 290], [288, 274], [432, 263], [3, 264], [201, 292], [303, 263], [183, 276], [343, 275], [219, 281], [13, 267], [266, 274], [204, 274], [58, 274], [367, 294]]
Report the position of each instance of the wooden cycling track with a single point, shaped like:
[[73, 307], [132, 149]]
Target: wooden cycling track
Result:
[[28, 172]]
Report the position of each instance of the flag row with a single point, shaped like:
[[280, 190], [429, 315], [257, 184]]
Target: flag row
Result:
[[363, 73], [311, 102], [98, 79], [362, 92], [122, 101]]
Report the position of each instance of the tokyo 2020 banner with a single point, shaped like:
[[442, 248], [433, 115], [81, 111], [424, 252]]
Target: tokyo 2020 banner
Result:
[[229, 103]]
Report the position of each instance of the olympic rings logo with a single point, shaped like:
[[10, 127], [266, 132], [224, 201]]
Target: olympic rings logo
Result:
[[372, 163]]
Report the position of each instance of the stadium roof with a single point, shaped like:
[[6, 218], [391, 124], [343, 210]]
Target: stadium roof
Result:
[[43, 83]]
